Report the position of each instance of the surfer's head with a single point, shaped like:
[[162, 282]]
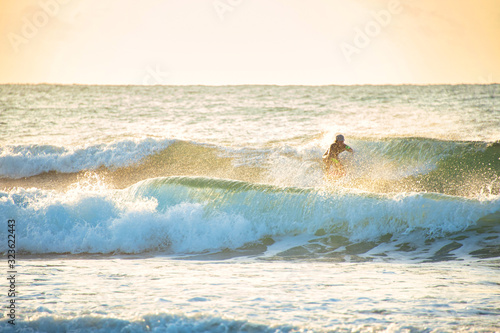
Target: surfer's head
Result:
[[339, 138]]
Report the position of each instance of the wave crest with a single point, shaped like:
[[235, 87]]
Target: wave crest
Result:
[[29, 160]]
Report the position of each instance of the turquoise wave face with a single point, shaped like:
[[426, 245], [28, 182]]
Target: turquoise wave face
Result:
[[196, 215], [468, 169]]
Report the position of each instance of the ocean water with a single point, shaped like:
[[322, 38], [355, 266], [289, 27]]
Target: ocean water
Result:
[[206, 209]]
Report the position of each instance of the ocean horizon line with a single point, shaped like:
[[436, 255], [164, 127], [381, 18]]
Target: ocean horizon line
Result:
[[248, 84]]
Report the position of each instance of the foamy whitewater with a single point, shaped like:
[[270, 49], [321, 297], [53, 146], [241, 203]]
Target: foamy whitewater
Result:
[[206, 209]]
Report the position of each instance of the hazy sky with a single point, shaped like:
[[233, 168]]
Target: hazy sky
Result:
[[249, 41]]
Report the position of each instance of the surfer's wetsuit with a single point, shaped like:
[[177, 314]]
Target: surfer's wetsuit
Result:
[[331, 156]]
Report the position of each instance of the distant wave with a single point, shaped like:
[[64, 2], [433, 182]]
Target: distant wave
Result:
[[29, 160], [156, 323], [459, 168], [185, 215]]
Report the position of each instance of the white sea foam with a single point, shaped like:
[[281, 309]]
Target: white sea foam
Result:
[[29, 160], [156, 323], [190, 215], [157, 294]]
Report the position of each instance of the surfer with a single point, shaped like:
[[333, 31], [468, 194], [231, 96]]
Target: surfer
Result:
[[331, 157]]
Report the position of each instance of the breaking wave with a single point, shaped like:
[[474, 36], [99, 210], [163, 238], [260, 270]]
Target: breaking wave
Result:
[[196, 215]]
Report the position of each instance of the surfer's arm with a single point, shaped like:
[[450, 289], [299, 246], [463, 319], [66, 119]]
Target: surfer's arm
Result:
[[327, 152], [349, 149]]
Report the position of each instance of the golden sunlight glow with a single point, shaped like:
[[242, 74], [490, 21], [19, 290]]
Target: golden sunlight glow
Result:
[[249, 42]]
